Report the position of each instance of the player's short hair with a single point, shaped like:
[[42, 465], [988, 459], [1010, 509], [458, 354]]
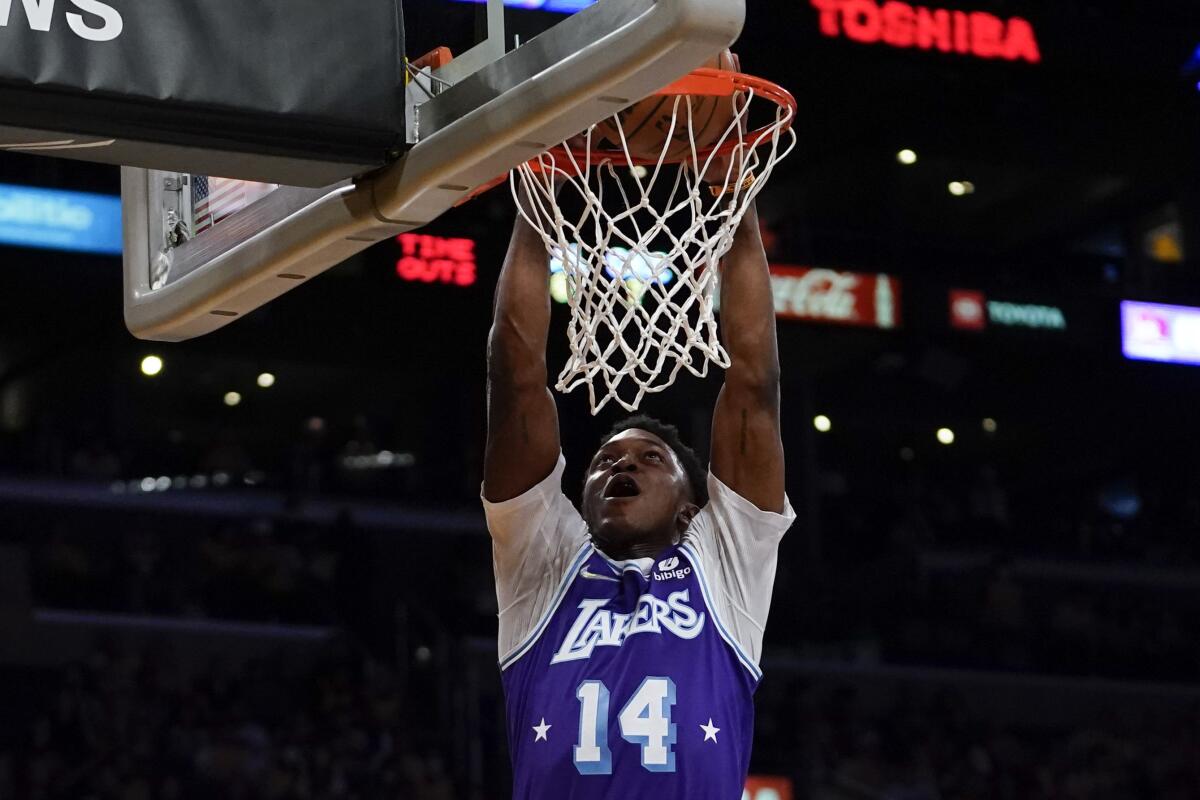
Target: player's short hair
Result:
[[697, 475]]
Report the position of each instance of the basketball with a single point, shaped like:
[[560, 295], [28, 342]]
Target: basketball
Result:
[[647, 123]]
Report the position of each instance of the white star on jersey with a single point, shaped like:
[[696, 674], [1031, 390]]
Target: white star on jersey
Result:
[[710, 731], [540, 731]]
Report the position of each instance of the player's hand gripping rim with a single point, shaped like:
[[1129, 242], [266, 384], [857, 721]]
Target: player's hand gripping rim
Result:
[[722, 168]]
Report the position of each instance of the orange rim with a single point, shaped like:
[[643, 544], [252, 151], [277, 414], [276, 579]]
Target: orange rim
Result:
[[705, 82]]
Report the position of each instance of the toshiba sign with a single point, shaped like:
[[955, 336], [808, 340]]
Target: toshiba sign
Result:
[[826, 295], [903, 25]]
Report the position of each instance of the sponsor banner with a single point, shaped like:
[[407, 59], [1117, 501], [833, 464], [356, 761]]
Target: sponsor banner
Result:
[[1156, 332], [58, 220], [1026, 315], [904, 25], [971, 310], [760, 787], [436, 259], [844, 298]]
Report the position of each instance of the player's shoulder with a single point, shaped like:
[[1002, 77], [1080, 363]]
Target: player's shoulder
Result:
[[543, 505], [726, 509]]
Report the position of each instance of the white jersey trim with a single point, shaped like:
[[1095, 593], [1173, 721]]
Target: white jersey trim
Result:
[[523, 648], [621, 567], [745, 659]]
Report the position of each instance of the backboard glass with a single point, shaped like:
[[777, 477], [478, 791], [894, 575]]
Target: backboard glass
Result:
[[202, 251]]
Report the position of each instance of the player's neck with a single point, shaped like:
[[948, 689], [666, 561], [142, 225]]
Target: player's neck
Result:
[[629, 551]]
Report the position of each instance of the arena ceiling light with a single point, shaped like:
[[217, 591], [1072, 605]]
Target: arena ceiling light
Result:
[[945, 436], [233, 399], [822, 423], [907, 157], [151, 366], [266, 380], [989, 425], [961, 188]]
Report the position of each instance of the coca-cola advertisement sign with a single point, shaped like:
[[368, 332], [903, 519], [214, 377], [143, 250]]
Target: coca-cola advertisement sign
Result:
[[828, 295]]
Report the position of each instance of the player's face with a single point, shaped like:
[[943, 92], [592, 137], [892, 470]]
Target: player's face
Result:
[[634, 493]]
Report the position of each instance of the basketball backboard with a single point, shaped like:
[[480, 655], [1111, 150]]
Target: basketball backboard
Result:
[[301, 92], [202, 251]]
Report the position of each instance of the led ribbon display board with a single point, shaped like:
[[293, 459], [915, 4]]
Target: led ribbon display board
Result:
[[436, 259], [52, 219], [1156, 332]]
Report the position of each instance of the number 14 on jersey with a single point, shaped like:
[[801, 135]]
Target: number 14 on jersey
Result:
[[645, 720]]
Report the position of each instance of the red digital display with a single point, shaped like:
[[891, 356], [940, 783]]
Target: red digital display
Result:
[[903, 25], [436, 259]]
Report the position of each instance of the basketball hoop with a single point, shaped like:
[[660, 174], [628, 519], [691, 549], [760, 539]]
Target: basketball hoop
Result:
[[641, 274]]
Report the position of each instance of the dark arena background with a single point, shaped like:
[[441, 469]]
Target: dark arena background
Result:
[[254, 565]]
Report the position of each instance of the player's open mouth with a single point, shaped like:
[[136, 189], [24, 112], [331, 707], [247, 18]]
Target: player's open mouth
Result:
[[621, 486]]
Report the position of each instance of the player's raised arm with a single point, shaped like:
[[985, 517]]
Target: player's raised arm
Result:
[[522, 426], [747, 453]]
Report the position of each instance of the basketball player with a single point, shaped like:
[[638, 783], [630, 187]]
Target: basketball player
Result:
[[631, 629]]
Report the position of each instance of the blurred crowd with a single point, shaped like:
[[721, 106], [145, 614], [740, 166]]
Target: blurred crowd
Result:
[[907, 579], [1089, 577], [257, 570], [997, 615], [316, 456], [127, 725], [1148, 515], [931, 746]]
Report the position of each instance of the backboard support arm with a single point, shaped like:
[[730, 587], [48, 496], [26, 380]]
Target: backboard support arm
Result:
[[489, 50], [500, 115]]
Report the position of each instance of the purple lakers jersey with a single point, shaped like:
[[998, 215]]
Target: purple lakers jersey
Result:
[[631, 682], [634, 679]]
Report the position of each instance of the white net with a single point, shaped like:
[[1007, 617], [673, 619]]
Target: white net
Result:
[[641, 246]]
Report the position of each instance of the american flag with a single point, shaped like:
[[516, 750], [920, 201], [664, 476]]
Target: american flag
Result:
[[214, 199]]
